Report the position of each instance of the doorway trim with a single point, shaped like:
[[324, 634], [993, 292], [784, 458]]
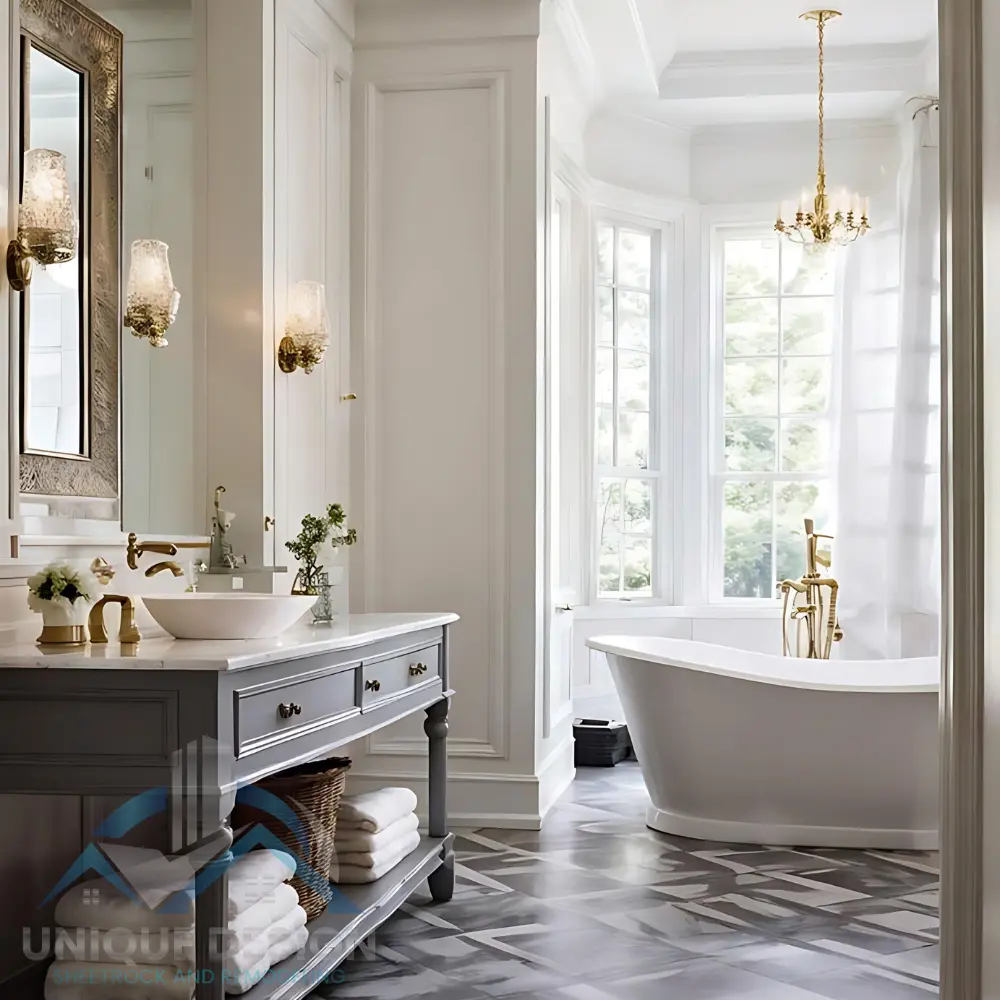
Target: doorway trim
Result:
[[963, 619]]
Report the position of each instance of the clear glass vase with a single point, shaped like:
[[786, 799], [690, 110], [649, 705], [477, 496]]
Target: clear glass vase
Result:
[[322, 610]]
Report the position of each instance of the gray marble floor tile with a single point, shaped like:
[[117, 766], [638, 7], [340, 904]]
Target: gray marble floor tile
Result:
[[707, 979], [598, 907]]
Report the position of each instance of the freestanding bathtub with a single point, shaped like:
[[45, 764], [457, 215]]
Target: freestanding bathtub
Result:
[[756, 748]]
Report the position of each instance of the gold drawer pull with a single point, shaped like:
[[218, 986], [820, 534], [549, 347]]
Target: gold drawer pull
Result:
[[287, 711], [373, 685], [416, 671]]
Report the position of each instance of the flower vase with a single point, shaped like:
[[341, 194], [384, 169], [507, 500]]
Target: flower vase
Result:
[[322, 610], [64, 623]]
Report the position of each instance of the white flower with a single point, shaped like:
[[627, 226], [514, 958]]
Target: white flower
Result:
[[55, 579]]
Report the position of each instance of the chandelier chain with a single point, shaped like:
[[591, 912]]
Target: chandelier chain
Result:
[[822, 159]]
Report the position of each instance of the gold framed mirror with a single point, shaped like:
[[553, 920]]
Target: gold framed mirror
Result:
[[69, 309]]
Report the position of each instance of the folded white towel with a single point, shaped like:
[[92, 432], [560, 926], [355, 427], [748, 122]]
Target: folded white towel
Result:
[[352, 874], [251, 923], [374, 811], [253, 875], [355, 839], [106, 981], [125, 947], [375, 859], [253, 951], [278, 952], [97, 903]]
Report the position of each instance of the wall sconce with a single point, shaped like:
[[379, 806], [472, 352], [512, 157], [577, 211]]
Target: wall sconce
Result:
[[47, 227], [151, 299], [307, 328]]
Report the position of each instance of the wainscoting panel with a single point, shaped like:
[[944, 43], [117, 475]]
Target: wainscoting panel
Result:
[[434, 382]]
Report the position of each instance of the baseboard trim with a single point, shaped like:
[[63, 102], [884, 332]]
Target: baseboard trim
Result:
[[728, 831], [500, 801]]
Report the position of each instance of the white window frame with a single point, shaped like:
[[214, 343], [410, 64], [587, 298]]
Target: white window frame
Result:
[[664, 407], [717, 476]]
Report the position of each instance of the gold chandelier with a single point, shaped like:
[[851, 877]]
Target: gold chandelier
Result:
[[831, 220]]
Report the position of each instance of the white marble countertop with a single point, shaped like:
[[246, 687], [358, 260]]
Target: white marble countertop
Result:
[[165, 652], [870, 676]]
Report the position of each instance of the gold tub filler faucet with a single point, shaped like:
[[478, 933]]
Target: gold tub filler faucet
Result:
[[809, 623]]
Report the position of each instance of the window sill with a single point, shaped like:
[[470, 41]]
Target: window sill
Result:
[[611, 610]]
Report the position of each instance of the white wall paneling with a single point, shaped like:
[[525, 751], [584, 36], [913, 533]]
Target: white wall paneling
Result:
[[437, 193], [311, 241], [447, 219]]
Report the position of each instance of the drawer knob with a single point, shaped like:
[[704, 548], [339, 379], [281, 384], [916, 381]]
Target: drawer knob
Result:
[[416, 671], [373, 685], [287, 711]]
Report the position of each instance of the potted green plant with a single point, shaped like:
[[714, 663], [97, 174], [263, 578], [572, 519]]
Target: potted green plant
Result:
[[61, 594], [327, 529]]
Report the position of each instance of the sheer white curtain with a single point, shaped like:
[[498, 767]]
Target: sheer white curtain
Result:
[[887, 550]]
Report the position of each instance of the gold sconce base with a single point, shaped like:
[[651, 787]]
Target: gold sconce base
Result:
[[288, 356], [19, 265], [292, 355]]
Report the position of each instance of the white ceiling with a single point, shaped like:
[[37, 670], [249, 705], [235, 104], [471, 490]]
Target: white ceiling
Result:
[[721, 25], [706, 63]]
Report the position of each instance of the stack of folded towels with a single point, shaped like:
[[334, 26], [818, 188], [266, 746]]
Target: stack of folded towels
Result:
[[117, 947], [375, 831]]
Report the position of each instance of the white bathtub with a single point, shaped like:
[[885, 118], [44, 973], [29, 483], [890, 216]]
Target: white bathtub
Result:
[[748, 747]]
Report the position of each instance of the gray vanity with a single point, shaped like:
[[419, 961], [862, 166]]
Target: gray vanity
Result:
[[205, 718]]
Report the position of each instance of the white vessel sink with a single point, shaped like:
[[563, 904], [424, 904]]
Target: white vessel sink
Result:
[[227, 616]]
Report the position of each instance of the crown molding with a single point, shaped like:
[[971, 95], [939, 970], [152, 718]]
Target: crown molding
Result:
[[395, 23], [837, 130], [854, 69]]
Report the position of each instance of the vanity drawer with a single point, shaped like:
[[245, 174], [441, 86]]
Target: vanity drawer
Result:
[[383, 679], [273, 712]]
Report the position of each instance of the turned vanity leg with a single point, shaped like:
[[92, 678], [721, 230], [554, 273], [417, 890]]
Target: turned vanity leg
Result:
[[212, 920], [441, 881]]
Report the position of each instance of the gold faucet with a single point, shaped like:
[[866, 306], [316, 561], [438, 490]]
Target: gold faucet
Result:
[[127, 631], [137, 549], [811, 604], [159, 567]]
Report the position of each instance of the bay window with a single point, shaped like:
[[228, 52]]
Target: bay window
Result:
[[712, 436]]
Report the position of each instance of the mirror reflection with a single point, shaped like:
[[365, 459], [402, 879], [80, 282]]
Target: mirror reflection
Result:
[[54, 344]]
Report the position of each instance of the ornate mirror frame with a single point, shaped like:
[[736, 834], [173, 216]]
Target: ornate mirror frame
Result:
[[77, 36]]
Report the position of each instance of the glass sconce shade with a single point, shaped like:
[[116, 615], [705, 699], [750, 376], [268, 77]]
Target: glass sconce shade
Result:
[[151, 299], [47, 223], [307, 327]]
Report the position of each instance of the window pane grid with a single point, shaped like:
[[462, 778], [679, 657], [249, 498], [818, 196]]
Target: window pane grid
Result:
[[775, 410], [624, 412]]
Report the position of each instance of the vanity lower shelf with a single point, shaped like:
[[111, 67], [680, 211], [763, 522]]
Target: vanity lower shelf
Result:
[[367, 908]]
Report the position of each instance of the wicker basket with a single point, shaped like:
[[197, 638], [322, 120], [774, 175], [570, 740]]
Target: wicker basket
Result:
[[312, 791]]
